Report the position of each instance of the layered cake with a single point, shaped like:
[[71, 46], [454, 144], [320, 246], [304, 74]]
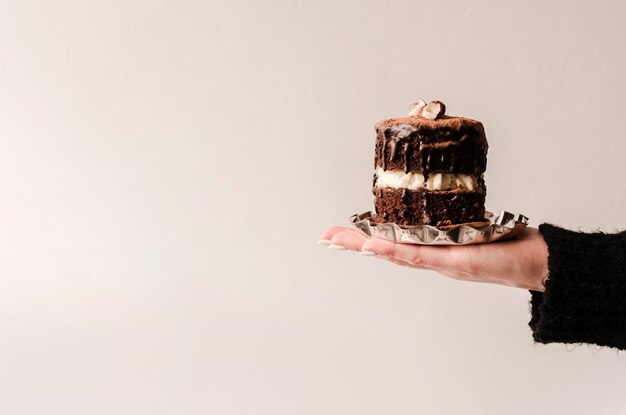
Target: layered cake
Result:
[[429, 169]]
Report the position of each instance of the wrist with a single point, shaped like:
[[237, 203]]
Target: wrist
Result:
[[543, 272]]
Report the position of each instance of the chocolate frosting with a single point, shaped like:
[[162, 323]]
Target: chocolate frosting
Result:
[[447, 144]]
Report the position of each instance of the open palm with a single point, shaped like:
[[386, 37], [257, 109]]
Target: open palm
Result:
[[521, 262]]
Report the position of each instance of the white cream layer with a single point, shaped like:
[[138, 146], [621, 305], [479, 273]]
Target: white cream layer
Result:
[[397, 179]]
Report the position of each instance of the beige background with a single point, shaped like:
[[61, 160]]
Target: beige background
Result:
[[166, 169]]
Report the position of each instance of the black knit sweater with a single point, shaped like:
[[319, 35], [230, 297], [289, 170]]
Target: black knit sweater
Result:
[[585, 294]]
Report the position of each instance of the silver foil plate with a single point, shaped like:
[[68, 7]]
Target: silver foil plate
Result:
[[503, 226]]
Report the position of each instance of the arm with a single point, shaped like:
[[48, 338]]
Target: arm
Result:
[[585, 295], [583, 300], [521, 262]]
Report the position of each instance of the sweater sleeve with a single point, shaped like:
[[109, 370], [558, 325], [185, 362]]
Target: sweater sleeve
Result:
[[585, 295]]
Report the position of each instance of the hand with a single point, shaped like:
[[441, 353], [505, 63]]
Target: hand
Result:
[[521, 262]]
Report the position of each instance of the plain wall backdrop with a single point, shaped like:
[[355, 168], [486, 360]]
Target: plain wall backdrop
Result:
[[166, 168]]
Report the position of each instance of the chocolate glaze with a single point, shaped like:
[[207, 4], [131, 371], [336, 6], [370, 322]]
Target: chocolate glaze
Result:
[[407, 144], [425, 155], [454, 158], [393, 146], [408, 148], [384, 155]]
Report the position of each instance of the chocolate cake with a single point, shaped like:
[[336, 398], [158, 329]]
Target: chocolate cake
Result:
[[429, 169]]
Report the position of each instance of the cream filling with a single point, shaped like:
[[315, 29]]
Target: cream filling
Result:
[[397, 179]]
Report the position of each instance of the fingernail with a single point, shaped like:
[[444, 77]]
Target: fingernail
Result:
[[368, 253], [337, 247], [324, 242]]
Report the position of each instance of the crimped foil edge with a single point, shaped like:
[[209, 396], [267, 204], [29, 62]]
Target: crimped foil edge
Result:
[[505, 225]]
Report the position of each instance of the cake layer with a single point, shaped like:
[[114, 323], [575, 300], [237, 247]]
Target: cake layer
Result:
[[423, 207], [397, 179], [449, 144]]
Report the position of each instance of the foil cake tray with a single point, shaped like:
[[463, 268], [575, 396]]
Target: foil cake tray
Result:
[[500, 227]]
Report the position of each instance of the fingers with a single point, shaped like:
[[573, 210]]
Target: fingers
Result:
[[348, 239], [328, 234], [415, 255], [339, 237]]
